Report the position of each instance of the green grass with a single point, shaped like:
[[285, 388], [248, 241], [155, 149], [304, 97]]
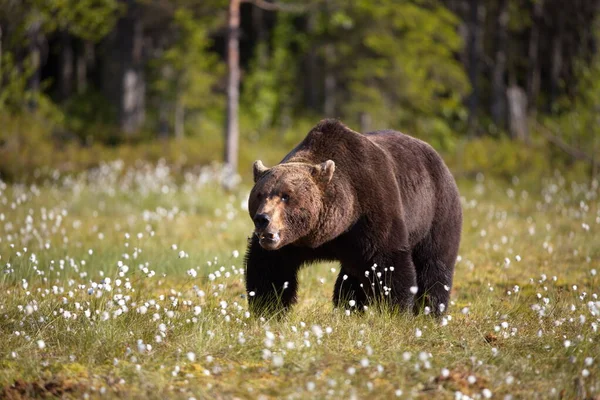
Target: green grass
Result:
[[525, 287]]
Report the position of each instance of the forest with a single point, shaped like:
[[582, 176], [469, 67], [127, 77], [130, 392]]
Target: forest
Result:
[[190, 79]]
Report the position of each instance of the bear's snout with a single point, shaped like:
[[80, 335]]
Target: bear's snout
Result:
[[266, 232], [261, 221]]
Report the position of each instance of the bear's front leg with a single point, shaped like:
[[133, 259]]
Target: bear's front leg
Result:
[[348, 288], [271, 278]]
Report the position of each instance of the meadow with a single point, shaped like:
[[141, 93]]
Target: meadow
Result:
[[127, 282]]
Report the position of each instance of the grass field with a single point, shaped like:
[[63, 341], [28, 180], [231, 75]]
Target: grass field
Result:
[[129, 283]]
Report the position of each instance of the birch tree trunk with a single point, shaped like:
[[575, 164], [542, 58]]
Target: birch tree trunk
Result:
[[35, 54], [517, 106], [233, 87]]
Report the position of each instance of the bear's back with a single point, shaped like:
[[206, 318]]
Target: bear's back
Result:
[[423, 178]]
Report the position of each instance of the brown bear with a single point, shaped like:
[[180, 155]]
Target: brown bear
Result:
[[383, 204]]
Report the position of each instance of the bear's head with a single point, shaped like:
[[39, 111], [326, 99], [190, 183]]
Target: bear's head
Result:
[[286, 202]]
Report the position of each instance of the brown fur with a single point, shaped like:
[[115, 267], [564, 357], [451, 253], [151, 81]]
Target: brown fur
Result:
[[380, 198]]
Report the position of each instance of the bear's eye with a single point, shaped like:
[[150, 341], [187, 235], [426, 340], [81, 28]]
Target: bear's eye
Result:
[[285, 197]]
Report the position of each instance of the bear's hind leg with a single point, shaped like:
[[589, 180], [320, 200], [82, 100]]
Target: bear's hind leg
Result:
[[402, 281], [434, 262], [434, 287]]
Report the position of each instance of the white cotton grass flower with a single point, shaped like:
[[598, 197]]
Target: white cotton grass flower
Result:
[[585, 373], [277, 360], [192, 272], [191, 356], [41, 344], [317, 331]]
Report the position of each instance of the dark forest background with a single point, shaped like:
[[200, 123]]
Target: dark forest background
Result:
[[506, 87]]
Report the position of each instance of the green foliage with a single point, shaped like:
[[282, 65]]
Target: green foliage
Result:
[[88, 115], [186, 71], [270, 88], [31, 147], [86, 19], [577, 120], [16, 98], [13, 83], [396, 60], [502, 158]]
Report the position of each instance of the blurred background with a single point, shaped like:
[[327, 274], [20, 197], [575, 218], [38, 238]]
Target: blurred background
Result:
[[504, 87]]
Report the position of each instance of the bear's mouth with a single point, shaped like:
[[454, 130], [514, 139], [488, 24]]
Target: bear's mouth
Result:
[[268, 240]]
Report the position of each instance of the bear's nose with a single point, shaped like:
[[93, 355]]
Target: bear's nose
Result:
[[261, 221]]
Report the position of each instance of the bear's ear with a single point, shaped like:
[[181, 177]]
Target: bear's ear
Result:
[[258, 169], [322, 173]]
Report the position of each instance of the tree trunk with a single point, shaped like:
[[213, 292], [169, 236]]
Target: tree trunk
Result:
[[35, 57], [311, 83], [0, 56], [498, 108], [365, 122], [132, 112], [517, 107], [261, 36], [123, 74], [330, 82], [163, 118], [65, 77], [84, 57], [179, 119], [233, 87], [557, 61], [475, 50], [533, 79]]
